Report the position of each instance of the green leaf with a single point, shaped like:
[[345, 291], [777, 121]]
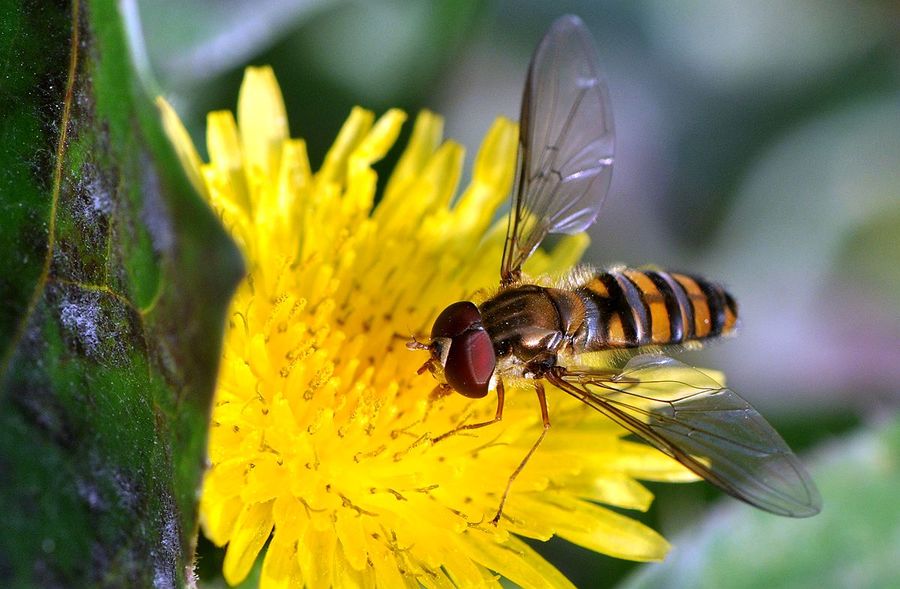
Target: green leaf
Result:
[[114, 281], [854, 542]]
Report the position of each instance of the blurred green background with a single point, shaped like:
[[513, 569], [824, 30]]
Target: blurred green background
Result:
[[758, 143]]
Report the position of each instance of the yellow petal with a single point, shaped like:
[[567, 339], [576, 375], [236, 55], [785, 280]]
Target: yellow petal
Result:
[[600, 529], [516, 561], [184, 146], [262, 121], [334, 168], [379, 140], [251, 530], [227, 160], [492, 177], [219, 516], [280, 569], [425, 139]]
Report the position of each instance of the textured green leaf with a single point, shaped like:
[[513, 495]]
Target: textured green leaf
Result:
[[854, 542], [114, 282]]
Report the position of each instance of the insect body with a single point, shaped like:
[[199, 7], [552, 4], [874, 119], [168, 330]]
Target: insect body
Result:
[[619, 309], [540, 333]]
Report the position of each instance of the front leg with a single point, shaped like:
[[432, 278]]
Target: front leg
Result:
[[501, 394]]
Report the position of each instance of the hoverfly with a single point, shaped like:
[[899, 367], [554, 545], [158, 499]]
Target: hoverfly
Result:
[[539, 333]]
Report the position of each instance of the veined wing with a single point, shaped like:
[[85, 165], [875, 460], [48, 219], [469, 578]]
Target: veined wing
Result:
[[565, 144], [705, 426]]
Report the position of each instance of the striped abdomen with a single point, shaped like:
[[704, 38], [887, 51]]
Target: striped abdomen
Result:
[[631, 308]]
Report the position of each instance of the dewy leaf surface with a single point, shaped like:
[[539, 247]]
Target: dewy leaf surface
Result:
[[114, 281]]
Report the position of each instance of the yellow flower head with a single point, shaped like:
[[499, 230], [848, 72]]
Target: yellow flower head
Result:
[[323, 434]]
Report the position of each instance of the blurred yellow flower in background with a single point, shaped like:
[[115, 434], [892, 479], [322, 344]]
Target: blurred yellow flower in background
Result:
[[322, 433]]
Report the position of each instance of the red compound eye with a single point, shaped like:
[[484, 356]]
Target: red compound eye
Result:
[[456, 319], [470, 361]]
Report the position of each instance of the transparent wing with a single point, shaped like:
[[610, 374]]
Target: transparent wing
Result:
[[705, 426], [565, 144]]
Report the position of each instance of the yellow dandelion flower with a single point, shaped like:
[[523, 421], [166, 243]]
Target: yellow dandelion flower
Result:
[[322, 440]]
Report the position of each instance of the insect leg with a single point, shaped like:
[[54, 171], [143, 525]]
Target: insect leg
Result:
[[545, 415], [501, 394]]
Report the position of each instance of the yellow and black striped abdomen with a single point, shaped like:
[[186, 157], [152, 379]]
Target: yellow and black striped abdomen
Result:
[[632, 308]]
